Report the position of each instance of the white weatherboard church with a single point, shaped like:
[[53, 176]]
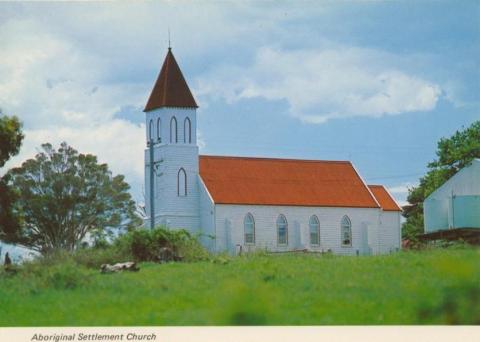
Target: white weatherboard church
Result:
[[256, 203]]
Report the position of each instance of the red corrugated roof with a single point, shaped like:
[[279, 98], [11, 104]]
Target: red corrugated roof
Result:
[[384, 199], [171, 89], [266, 181]]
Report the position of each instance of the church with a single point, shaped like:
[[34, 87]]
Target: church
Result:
[[241, 203]]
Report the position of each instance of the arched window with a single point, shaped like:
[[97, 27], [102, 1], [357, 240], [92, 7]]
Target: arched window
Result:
[[346, 228], [282, 230], [159, 130], [182, 183], [187, 131], [249, 225], [314, 225], [173, 130], [150, 131]]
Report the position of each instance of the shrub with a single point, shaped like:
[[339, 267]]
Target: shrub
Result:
[[146, 245], [191, 250], [60, 268]]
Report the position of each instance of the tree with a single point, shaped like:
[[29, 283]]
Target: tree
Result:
[[11, 138], [62, 197], [453, 154]]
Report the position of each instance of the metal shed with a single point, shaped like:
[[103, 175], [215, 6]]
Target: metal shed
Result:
[[456, 204]]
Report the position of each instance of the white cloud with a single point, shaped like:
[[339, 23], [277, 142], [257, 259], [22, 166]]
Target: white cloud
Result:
[[399, 193], [200, 141], [118, 143], [63, 93], [65, 70], [318, 85], [46, 80], [401, 189]]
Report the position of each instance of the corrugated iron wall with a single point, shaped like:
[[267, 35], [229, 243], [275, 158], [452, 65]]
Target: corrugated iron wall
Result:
[[466, 211], [452, 212]]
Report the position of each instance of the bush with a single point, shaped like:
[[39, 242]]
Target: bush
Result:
[[138, 245], [146, 245], [191, 250]]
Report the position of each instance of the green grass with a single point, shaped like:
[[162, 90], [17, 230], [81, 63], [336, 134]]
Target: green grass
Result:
[[429, 287]]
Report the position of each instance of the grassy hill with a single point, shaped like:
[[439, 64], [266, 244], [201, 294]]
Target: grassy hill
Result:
[[429, 287]]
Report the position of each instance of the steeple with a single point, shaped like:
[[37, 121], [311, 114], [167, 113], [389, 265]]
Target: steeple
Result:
[[171, 89]]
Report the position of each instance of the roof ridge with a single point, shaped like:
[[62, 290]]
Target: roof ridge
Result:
[[165, 80], [372, 195], [277, 159]]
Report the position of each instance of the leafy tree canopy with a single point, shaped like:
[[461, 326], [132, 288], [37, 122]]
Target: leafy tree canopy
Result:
[[453, 154], [62, 197], [10, 141], [10, 137]]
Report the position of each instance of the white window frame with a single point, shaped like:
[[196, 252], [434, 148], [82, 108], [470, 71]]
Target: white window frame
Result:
[[185, 140], [181, 193], [281, 225], [346, 228], [314, 224], [159, 130], [173, 120], [249, 225], [150, 131]]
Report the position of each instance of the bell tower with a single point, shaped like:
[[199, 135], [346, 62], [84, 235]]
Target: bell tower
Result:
[[171, 154]]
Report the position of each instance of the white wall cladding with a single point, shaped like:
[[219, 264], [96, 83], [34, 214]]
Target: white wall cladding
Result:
[[165, 114], [170, 209], [230, 231], [207, 217], [389, 232], [373, 231]]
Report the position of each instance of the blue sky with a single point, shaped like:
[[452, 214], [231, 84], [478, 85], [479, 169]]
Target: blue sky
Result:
[[377, 83]]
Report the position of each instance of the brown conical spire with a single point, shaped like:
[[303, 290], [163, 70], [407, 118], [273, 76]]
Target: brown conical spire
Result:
[[171, 89]]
